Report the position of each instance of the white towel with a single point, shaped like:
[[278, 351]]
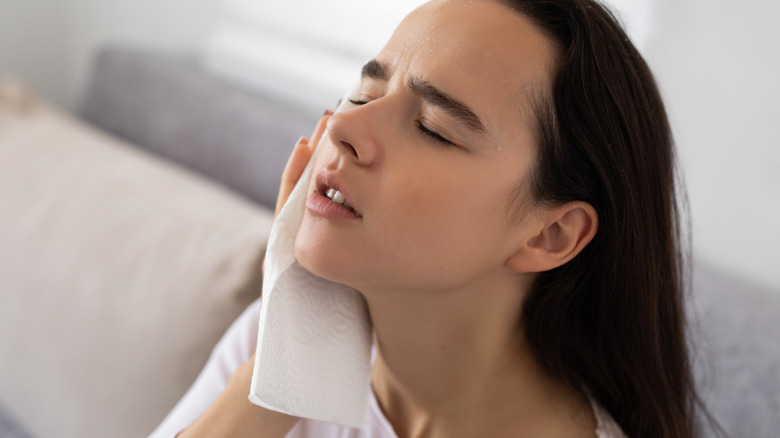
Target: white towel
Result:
[[314, 340]]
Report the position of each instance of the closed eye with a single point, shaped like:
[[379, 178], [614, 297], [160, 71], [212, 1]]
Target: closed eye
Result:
[[423, 129], [433, 134]]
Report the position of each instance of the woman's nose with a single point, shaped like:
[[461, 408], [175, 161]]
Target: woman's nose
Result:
[[353, 132]]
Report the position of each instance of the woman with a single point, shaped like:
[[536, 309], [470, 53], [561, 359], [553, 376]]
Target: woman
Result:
[[504, 198]]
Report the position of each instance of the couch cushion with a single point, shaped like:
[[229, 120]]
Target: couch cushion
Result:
[[736, 350], [118, 273], [173, 107]]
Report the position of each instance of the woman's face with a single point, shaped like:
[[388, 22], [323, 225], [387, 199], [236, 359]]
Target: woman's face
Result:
[[430, 154]]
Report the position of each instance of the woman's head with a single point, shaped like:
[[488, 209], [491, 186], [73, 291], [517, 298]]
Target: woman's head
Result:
[[439, 158], [557, 158]]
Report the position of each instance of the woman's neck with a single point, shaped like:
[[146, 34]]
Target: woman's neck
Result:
[[455, 363]]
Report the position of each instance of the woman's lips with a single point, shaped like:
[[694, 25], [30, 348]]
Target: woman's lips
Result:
[[321, 205], [329, 185]]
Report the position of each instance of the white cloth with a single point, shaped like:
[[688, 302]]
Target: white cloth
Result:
[[314, 336], [237, 346]]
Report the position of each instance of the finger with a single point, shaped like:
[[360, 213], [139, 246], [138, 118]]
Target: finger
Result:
[[297, 161], [296, 164], [319, 129], [293, 171]]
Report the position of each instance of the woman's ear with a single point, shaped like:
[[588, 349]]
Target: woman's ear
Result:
[[565, 231]]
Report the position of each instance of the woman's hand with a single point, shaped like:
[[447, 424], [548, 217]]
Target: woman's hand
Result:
[[297, 162], [232, 414]]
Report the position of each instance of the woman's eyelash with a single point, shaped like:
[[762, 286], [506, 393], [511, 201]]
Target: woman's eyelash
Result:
[[432, 134]]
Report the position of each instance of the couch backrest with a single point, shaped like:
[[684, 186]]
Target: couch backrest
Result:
[[173, 107]]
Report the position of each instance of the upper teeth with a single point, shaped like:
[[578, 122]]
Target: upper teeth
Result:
[[337, 197]]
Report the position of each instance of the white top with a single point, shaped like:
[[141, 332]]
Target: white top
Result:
[[238, 345]]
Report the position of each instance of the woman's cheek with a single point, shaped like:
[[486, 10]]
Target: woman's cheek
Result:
[[311, 249]]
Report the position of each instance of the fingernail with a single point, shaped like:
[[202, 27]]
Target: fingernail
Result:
[[328, 112]]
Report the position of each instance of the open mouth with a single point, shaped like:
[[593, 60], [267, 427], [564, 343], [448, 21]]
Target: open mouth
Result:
[[337, 197], [330, 187]]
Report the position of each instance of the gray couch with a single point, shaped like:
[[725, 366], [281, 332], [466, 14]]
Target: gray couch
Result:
[[131, 239]]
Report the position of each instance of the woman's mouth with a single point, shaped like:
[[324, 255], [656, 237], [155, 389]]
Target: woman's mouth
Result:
[[337, 197], [332, 196], [331, 204]]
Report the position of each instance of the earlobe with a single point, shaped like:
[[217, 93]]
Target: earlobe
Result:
[[566, 230]]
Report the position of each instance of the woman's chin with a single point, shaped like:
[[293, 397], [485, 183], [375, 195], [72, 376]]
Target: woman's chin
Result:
[[320, 262]]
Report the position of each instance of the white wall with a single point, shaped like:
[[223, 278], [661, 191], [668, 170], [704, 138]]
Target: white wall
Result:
[[49, 43], [34, 44], [718, 65]]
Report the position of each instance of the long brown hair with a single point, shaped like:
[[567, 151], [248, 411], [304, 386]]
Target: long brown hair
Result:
[[612, 319]]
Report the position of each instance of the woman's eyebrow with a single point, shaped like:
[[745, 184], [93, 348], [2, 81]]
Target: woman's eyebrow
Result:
[[454, 107], [376, 70]]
